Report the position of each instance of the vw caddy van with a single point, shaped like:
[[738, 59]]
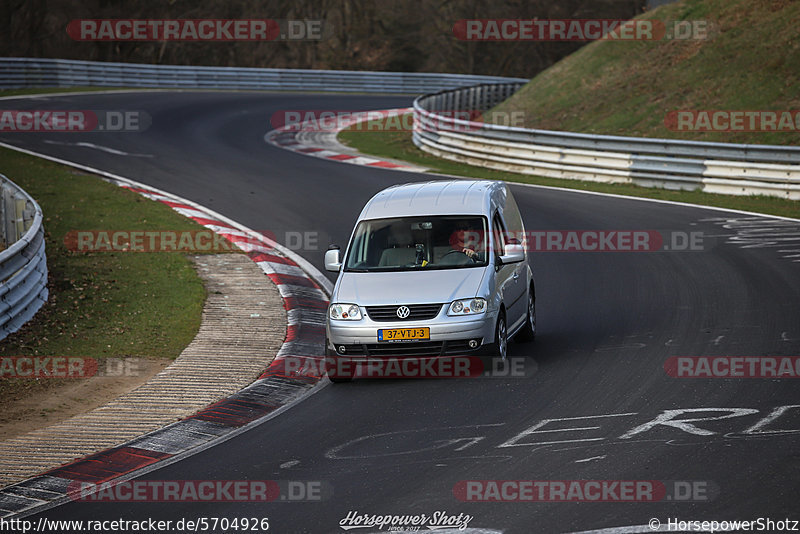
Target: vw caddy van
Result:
[[432, 270]]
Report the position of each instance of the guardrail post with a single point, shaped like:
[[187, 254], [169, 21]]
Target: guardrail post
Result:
[[9, 215]]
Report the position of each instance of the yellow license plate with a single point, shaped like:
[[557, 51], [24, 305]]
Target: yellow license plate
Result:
[[404, 334]]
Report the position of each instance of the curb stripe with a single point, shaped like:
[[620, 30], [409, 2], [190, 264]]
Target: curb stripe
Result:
[[384, 164], [234, 412], [210, 222], [271, 258], [286, 137], [288, 279], [106, 465], [294, 331], [295, 302]]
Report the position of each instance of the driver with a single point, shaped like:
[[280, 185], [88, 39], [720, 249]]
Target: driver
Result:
[[465, 239]]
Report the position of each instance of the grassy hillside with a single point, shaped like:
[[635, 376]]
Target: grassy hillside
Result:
[[750, 61]]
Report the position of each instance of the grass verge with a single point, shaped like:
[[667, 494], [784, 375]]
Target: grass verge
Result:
[[398, 145], [749, 61], [102, 304]]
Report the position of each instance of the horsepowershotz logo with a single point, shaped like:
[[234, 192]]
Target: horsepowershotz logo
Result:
[[403, 312], [439, 520]]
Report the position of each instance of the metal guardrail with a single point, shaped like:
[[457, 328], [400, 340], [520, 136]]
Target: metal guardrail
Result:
[[23, 265], [32, 72], [736, 169]]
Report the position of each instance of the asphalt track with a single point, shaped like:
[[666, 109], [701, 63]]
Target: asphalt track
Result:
[[607, 324]]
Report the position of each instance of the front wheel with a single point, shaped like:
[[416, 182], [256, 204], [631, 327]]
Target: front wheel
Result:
[[500, 338], [528, 332], [338, 369]]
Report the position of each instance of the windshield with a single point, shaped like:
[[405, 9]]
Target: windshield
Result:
[[418, 243]]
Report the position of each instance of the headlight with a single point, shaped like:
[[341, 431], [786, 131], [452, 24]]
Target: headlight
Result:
[[344, 312], [467, 307]]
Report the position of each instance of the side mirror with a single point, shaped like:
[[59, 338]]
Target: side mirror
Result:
[[514, 254], [332, 261]]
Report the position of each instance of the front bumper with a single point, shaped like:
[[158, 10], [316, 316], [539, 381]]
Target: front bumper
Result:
[[449, 336]]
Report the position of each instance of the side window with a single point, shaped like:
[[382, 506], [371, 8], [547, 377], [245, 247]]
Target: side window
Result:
[[498, 232], [513, 217]]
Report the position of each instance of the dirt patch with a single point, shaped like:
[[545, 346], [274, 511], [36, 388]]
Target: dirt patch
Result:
[[32, 410]]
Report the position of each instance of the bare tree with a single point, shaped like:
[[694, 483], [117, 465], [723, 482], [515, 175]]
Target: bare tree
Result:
[[397, 35]]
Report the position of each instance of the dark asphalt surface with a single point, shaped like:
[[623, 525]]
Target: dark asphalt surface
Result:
[[607, 323]]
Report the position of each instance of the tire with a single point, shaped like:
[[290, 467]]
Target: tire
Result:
[[500, 351], [528, 332], [339, 370], [340, 380], [336, 375]]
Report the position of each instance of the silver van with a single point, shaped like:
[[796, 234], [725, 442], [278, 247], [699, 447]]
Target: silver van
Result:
[[433, 270]]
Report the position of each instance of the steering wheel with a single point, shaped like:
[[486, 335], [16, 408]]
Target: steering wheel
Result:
[[472, 258]]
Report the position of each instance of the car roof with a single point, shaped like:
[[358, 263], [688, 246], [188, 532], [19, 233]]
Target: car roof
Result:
[[440, 197]]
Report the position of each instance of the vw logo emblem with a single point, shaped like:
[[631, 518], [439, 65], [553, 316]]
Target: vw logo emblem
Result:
[[403, 312]]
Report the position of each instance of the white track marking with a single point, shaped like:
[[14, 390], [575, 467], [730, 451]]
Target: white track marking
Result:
[[761, 232], [590, 459], [668, 418], [513, 442], [99, 147]]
